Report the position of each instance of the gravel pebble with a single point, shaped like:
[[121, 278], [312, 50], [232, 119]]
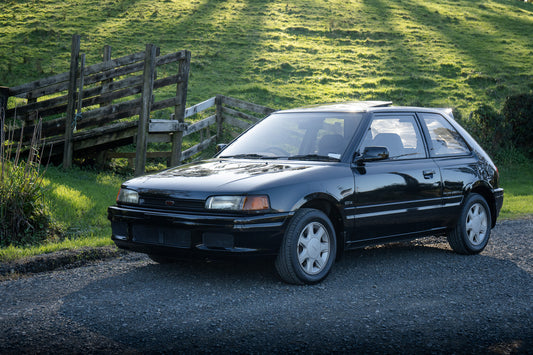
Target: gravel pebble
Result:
[[414, 297]]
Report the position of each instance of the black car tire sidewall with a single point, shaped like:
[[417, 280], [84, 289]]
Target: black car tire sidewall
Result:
[[458, 238], [287, 262]]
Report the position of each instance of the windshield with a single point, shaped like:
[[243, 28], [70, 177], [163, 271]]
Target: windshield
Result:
[[296, 135]]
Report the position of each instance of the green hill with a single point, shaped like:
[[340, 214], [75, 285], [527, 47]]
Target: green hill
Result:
[[454, 53]]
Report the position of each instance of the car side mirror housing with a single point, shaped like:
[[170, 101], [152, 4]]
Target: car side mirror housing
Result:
[[221, 147], [374, 153]]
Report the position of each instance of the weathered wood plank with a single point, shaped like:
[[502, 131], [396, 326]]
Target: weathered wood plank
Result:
[[74, 57], [114, 73], [106, 57], [206, 122], [161, 126], [240, 114], [104, 139], [170, 58], [199, 107], [111, 69], [167, 126], [220, 119], [52, 80], [173, 101], [46, 90], [88, 134], [186, 154], [59, 105], [230, 101], [180, 106], [115, 63], [235, 121], [146, 108], [111, 109], [45, 107]]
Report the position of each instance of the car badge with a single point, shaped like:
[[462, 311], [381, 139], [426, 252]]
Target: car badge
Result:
[[169, 203]]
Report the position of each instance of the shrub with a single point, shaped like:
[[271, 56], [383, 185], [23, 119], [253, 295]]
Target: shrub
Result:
[[23, 217], [518, 115], [489, 128]]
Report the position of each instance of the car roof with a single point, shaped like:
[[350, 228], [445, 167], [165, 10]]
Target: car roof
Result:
[[365, 106]]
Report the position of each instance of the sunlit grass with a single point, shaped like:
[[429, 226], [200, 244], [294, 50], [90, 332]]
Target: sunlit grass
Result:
[[518, 196], [285, 54], [77, 201]]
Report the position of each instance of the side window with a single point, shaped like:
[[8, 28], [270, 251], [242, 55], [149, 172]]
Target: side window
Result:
[[444, 138], [400, 134]]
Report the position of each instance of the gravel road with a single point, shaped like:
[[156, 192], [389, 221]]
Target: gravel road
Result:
[[415, 297]]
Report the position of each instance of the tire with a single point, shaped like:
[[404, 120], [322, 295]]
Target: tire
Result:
[[308, 249], [472, 232], [160, 259]]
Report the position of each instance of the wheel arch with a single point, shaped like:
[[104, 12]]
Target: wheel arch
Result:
[[330, 209], [485, 191]]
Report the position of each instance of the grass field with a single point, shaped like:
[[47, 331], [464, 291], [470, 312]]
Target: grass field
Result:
[[451, 53]]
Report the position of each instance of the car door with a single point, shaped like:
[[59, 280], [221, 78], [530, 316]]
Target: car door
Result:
[[398, 195]]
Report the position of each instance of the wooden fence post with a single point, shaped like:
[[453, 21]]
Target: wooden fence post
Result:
[[106, 58], [179, 110], [220, 119], [146, 106], [71, 103]]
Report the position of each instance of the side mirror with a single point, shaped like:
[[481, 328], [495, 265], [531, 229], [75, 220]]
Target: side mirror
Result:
[[374, 153], [220, 147]]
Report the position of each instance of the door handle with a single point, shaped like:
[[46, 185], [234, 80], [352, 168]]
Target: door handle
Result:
[[428, 174]]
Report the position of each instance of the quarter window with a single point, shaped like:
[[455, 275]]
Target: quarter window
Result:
[[445, 140], [400, 135]]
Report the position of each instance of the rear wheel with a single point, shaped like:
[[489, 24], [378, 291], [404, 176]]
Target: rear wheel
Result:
[[472, 232], [308, 249]]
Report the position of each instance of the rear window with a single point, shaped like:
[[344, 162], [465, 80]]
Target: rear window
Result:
[[445, 140]]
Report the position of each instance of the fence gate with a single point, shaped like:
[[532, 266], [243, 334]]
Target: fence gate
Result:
[[83, 109]]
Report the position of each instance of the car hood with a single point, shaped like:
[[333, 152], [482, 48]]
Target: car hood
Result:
[[219, 176]]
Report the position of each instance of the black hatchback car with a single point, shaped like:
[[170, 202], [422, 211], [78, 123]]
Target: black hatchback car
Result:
[[306, 184]]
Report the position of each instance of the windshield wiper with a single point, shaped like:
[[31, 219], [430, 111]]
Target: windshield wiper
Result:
[[313, 157], [249, 156]]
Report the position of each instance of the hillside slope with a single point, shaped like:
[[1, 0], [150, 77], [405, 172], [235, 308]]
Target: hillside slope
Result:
[[455, 53]]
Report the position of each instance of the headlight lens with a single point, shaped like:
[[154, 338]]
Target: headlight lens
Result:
[[238, 203], [128, 196]]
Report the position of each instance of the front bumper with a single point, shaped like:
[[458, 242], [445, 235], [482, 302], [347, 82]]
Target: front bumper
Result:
[[181, 233]]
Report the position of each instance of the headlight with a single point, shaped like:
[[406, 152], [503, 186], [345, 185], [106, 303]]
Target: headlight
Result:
[[238, 203], [128, 196]]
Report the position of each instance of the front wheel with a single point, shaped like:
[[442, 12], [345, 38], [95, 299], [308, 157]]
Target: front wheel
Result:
[[308, 249], [472, 232]]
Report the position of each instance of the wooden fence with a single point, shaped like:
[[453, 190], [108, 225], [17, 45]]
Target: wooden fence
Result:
[[82, 110], [92, 99], [229, 112]]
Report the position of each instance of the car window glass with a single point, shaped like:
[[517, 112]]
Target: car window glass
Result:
[[400, 135], [444, 138], [295, 134]]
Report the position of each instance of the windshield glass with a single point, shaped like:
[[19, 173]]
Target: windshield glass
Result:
[[297, 135]]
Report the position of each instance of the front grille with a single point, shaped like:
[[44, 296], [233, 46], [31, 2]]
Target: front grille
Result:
[[144, 233], [172, 203]]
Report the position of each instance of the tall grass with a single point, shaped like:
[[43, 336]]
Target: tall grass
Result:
[[23, 216]]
